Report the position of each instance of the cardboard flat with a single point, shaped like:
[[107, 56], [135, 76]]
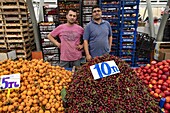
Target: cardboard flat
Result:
[[7, 54]]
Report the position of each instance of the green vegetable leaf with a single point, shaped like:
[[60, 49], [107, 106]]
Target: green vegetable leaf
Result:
[[63, 94]]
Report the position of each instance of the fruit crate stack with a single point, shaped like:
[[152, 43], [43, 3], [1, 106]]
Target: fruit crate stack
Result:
[[111, 13], [65, 5], [14, 21], [166, 36], [3, 44], [87, 10], [51, 13], [128, 30], [51, 52], [144, 47]]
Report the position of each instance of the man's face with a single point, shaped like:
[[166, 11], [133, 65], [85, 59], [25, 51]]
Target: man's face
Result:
[[97, 13], [71, 17]]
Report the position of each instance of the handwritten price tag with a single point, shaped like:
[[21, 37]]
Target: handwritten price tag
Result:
[[104, 69], [10, 81]]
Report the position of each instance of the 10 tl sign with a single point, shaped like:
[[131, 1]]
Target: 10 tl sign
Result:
[[104, 69]]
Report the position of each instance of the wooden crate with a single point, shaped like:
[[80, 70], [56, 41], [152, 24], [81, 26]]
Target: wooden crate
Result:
[[3, 45], [18, 40], [16, 27], [24, 55], [2, 39], [23, 46], [17, 30], [21, 1]]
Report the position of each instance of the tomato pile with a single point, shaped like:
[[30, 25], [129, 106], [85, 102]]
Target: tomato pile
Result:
[[157, 77]]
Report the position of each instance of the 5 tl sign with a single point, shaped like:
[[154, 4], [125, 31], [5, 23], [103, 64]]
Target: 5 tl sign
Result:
[[104, 69], [10, 81]]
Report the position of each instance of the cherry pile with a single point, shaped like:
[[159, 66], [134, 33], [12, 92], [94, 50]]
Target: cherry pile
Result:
[[119, 93]]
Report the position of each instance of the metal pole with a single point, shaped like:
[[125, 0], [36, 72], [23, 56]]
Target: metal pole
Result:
[[41, 15], [163, 23], [150, 15], [144, 13], [35, 25]]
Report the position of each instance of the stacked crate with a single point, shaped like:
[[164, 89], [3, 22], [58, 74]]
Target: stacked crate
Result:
[[3, 44], [65, 5], [87, 10], [52, 13], [128, 30], [18, 34], [50, 51], [111, 13]]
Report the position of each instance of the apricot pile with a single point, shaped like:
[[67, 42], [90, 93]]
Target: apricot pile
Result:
[[40, 89]]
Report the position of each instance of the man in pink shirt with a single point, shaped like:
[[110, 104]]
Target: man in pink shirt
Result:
[[70, 35]]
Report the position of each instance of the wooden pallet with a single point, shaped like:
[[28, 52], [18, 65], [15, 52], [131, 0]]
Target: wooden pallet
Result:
[[16, 35], [1, 30], [23, 51], [3, 45], [19, 46], [21, 1], [13, 12], [13, 7], [25, 55], [2, 39], [17, 30], [19, 40]]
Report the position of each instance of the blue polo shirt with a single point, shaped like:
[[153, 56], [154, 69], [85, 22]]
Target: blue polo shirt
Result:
[[97, 36]]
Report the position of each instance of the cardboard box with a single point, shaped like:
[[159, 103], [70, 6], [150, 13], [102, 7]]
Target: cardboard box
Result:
[[161, 51], [7, 54], [164, 54]]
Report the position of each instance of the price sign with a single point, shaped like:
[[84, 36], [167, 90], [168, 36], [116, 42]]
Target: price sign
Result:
[[104, 69], [10, 81]]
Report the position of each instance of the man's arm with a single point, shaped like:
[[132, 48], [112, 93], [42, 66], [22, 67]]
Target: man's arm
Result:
[[110, 42], [51, 38], [86, 48]]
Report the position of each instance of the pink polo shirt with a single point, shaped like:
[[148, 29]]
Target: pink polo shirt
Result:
[[70, 38]]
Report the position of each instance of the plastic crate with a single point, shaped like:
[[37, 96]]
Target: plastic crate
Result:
[[126, 52], [128, 39], [129, 25], [110, 6], [130, 3], [130, 11], [50, 50], [129, 18], [128, 32], [145, 44]]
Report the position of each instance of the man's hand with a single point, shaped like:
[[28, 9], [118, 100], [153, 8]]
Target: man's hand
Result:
[[79, 47], [88, 57], [58, 45]]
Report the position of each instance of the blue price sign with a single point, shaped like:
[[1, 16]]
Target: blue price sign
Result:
[[104, 69], [10, 81]]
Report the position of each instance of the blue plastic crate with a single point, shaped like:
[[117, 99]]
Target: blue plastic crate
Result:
[[110, 13], [128, 32], [113, 53], [130, 3], [69, 69], [115, 27], [126, 47], [110, 5], [130, 11], [129, 25], [115, 34], [127, 39], [142, 59], [126, 52], [129, 18]]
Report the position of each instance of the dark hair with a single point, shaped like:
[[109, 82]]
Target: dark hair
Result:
[[74, 10], [95, 6]]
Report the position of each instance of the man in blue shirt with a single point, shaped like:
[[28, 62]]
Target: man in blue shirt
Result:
[[97, 35]]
